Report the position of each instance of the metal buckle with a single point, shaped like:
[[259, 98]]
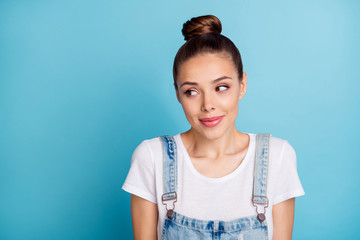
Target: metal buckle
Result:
[[261, 216], [162, 197], [169, 212], [255, 196]]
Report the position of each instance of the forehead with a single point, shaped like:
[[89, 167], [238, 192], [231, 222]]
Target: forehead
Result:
[[206, 67]]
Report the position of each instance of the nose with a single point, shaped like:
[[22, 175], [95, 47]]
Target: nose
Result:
[[207, 103]]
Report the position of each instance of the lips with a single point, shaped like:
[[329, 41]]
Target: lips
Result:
[[211, 122]]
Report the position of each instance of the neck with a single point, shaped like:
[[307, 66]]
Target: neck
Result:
[[200, 146]]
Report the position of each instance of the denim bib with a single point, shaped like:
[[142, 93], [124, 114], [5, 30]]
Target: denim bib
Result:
[[177, 226]]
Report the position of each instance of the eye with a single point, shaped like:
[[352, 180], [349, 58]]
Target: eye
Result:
[[222, 88], [190, 92]]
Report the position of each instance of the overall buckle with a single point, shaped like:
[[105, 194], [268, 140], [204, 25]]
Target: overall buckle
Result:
[[169, 212], [261, 216]]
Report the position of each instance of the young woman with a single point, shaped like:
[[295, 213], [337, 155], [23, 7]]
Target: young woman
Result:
[[213, 181]]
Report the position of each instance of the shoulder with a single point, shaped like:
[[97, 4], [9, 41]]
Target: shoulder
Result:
[[151, 148], [282, 152], [276, 144], [280, 143], [281, 149], [147, 146]]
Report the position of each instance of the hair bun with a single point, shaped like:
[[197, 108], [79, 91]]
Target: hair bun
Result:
[[201, 25]]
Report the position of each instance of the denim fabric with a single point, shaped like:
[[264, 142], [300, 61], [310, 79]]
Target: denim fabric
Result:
[[182, 227], [261, 168], [169, 166]]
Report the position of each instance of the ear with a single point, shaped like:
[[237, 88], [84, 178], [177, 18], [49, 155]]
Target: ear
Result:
[[177, 93], [243, 86]]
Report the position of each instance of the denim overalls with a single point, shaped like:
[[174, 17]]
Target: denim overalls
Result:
[[177, 226]]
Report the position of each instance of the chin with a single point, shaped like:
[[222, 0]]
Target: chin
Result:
[[212, 134]]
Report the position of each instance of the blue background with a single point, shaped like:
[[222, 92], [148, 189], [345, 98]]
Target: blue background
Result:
[[82, 83]]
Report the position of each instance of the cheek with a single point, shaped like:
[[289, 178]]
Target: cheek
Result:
[[230, 102], [189, 108]]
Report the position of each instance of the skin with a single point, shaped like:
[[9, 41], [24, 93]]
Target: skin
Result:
[[144, 216], [208, 86]]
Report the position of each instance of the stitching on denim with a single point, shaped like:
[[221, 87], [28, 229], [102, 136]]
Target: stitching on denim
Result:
[[164, 229], [169, 164], [264, 225], [189, 226], [261, 168]]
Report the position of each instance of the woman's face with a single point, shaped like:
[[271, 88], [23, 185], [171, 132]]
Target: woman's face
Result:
[[209, 90]]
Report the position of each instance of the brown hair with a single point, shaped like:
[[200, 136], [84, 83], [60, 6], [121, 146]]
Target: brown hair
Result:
[[203, 35]]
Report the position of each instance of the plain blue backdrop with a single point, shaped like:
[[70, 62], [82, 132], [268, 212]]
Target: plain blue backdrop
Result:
[[82, 83]]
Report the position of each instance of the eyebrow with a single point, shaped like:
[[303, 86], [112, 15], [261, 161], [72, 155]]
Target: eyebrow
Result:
[[215, 81]]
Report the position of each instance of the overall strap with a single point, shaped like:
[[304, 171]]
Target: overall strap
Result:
[[261, 173], [169, 172]]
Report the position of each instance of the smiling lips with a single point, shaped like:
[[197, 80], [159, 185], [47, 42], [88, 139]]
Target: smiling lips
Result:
[[211, 122]]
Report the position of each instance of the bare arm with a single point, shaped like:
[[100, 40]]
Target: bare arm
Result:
[[144, 216], [283, 217]]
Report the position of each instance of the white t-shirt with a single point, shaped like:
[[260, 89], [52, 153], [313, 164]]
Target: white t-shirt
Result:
[[225, 198]]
